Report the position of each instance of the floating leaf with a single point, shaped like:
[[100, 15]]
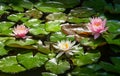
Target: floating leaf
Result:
[[33, 23], [3, 51], [69, 3], [113, 26], [21, 44], [77, 20], [75, 29], [85, 58], [98, 5], [50, 6], [57, 67], [5, 27], [10, 65], [29, 61], [57, 16], [82, 12], [15, 17], [17, 8], [58, 36], [115, 67], [26, 4], [34, 13], [4, 7], [52, 26], [89, 70], [39, 30], [48, 74], [113, 10]]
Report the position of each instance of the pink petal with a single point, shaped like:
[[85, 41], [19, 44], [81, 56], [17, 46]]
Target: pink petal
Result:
[[96, 35]]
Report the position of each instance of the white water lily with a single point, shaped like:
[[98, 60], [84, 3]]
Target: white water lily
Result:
[[66, 47]]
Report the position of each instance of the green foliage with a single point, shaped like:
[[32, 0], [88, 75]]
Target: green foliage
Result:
[[57, 67], [85, 58], [51, 21], [115, 67], [10, 65], [29, 61]]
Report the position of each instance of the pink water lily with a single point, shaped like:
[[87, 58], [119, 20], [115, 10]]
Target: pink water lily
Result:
[[20, 31], [97, 26]]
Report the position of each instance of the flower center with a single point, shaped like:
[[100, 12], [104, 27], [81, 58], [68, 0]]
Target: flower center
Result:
[[20, 28], [65, 46], [97, 23]]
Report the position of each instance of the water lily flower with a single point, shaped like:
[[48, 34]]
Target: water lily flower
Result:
[[20, 31], [97, 26], [66, 47]]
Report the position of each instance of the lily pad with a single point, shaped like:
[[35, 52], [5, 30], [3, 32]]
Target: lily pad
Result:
[[5, 28], [97, 5], [113, 10], [69, 3], [77, 20], [29, 61], [39, 30], [34, 13], [57, 67], [85, 58], [52, 26], [82, 12], [15, 17], [57, 16], [21, 43], [50, 6], [3, 51], [10, 65], [33, 23], [48, 74], [110, 67]]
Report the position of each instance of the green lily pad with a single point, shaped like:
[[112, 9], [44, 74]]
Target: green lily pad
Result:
[[33, 23], [69, 3], [115, 67], [50, 6], [52, 26], [26, 4], [4, 7], [15, 17], [10, 65], [17, 8], [48, 74], [57, 67], [82, 12], [110, 38], [77, 20], [57, 16], [3, 51], [5, 28], [58, 36], [98, 5], [85, 58], [89, 70], [113, 10], [21, 43], [39, 30], [34, 13], [29, 61], [113, 26]]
